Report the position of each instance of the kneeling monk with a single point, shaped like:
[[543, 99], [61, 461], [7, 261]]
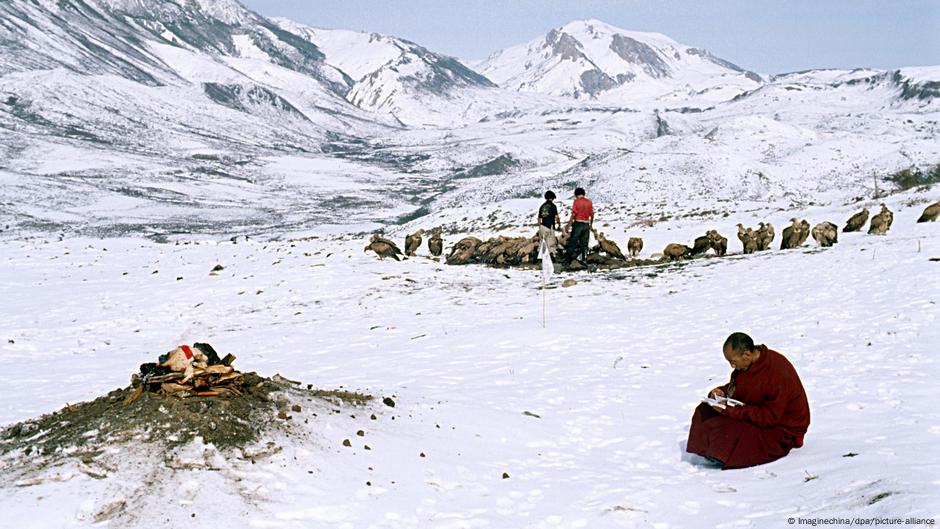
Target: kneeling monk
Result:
[[772, 420]]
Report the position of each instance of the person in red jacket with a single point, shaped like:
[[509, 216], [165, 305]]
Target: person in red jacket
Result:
[[579, 225], [773, 417]]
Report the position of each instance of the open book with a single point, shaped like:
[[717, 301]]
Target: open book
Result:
[[722, 402]]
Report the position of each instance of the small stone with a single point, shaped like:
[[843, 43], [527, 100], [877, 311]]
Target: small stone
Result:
[[367, 447], [368, 483], [568, 283], [422, 454], [347, 442], [295, 408], [218, 268], [505, 475], [283, 415], [361, 433], [388, 402], [373, 417]]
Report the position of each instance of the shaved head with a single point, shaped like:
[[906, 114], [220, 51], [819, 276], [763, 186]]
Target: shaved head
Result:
[[738, 343]]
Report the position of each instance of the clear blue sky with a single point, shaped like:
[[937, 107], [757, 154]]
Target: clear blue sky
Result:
[[765, 36]]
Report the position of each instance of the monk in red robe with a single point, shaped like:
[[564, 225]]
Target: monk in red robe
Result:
[[774, 416]]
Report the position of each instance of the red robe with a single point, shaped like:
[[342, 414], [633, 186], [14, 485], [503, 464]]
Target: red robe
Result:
[[773, 420]]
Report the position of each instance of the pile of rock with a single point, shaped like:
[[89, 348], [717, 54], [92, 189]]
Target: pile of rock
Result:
[[188, 371]]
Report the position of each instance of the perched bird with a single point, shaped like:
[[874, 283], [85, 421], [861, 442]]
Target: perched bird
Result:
[[383, 248], [718, 243], [748, 239], [881, 222], [634, 246], [931, 213], [804, 232], [765, 236], [701, 244], [608, 246], [791, 235], [857, 221], [562, 239], [413, 242], [674, 251], [436, 244], [463, 251], [826, 234]]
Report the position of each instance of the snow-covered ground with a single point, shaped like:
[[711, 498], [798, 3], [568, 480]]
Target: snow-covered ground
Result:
[[613, 378]]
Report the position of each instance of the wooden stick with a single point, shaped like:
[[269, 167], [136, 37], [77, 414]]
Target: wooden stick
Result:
[[138, 391]]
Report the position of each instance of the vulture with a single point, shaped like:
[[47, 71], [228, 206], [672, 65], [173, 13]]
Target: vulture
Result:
[[413, 242], [462, 253], [634, 246], [701, 244], [792, 235], [804, 232], [748, 239], [826, 234], [436, 244], [718, 243], [674, 251], [765, 236], [881, 222], [608, 246], [383, 248], [857, 221], [931, 213]]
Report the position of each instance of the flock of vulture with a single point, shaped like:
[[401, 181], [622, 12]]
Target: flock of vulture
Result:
[[517, 251]]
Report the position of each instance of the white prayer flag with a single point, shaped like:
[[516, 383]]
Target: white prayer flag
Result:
[[546, 257]]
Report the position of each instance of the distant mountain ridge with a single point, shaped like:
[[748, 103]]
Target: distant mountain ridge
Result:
[[589, 59], [385, 70]]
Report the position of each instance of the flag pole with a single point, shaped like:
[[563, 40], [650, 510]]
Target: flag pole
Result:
[[543, 301]]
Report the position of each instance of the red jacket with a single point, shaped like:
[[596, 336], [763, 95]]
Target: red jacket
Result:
[[583, 209]]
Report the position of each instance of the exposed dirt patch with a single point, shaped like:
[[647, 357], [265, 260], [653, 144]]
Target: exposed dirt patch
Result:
[[226, 422]]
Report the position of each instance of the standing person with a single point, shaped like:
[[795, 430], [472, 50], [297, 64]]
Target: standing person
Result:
[[548, 221], [580, 224], [769, 420]]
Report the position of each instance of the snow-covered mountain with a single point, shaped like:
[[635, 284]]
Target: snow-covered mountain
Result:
[[158, 117], [392, 75], [589, 59], [128, 38]]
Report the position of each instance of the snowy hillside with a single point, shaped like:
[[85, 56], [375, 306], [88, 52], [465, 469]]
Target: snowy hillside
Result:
[[586, 417], [589, 59]]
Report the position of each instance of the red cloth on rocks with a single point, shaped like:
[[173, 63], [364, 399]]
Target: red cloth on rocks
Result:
[[773, 420]]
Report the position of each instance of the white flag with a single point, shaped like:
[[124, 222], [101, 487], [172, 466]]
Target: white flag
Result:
[[546, 257]]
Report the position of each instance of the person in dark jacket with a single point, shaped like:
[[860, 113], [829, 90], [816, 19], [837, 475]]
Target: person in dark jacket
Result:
[[579, 225], [548, 221], [773, 417]]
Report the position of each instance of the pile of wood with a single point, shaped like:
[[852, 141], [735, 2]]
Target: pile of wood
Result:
[[186, 371]]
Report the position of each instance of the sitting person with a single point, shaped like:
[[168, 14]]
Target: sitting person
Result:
[[774, 416]]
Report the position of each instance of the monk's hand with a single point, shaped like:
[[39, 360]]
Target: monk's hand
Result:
[[719, 409], [717, 392]]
